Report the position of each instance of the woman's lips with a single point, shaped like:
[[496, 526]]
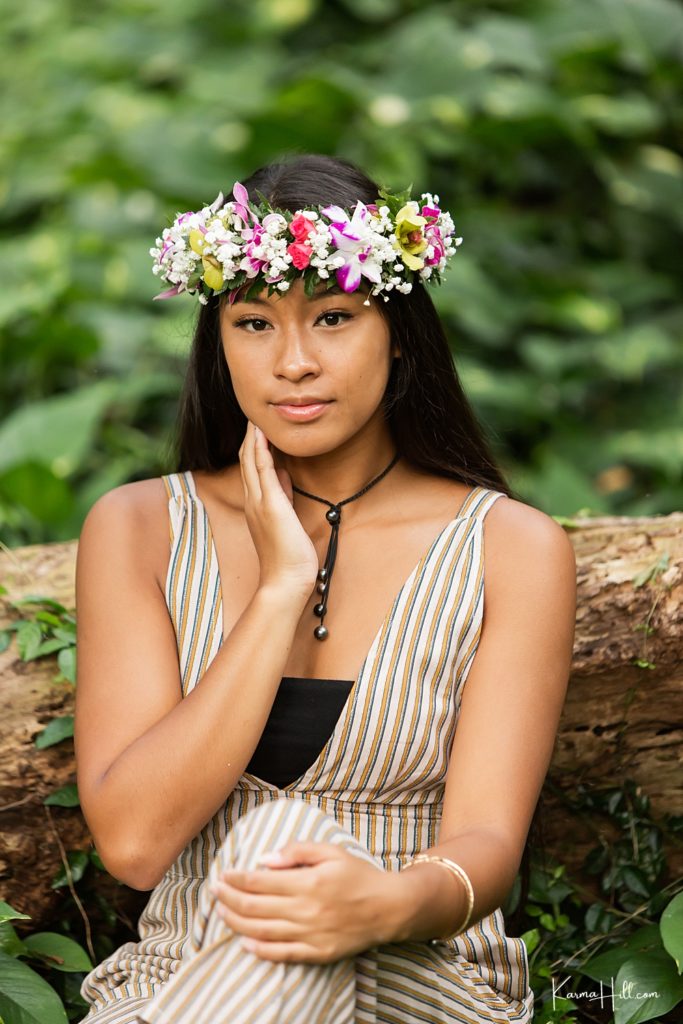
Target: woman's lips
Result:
[[302, 413]]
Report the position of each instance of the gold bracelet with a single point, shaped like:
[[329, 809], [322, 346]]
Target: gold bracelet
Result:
[[460, 873]]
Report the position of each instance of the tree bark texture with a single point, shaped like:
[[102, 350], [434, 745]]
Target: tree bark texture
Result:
[[623, 717]]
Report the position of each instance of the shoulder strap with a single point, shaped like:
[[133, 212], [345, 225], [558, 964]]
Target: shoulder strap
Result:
[[179, 485], [479, 501]]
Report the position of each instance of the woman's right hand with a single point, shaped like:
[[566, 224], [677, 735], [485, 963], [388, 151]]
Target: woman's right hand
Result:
[[287, 556]]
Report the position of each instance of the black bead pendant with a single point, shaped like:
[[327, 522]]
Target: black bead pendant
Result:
[[333, 516]]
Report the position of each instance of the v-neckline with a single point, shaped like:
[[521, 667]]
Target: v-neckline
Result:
[[352, 698]]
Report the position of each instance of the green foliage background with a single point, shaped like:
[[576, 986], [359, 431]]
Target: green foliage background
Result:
[[548, 128]]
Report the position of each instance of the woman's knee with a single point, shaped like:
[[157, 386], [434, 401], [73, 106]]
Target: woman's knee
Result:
[[276, 823]]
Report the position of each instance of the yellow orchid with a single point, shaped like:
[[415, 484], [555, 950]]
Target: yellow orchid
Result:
[[213, 272], [196, 240], [409, 237]]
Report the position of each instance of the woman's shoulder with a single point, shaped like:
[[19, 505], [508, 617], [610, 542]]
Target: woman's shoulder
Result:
[[513, 520], [137, 502], [129, 523], [527, 545]]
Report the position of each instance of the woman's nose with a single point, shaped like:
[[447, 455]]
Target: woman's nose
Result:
[[295, 356]]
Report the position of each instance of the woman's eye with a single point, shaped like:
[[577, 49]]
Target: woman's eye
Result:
[[334, 317], [253, 325]]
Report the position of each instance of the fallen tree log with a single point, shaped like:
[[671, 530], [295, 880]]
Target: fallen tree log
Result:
[[623, 717]]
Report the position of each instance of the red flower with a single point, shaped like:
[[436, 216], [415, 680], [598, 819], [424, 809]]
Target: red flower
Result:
[[301, 227], [300, 253]]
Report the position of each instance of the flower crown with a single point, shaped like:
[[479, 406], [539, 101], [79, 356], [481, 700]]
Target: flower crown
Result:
[[234, 243]]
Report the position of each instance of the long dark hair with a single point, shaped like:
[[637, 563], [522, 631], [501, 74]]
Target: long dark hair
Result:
[[431, 421]]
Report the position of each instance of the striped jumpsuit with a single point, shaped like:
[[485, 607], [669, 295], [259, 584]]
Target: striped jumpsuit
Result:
[[375, 788]]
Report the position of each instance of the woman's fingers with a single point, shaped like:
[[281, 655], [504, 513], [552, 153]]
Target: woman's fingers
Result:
[[256, 905], [285, 551], [285, 482], [270, 481], [251, 476]]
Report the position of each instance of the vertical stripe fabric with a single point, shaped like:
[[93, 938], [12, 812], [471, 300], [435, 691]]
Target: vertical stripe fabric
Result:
[[379, 780]]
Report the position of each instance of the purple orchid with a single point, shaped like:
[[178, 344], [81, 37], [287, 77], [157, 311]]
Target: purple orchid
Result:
[[170, 292], [354, 243], [241, 204]]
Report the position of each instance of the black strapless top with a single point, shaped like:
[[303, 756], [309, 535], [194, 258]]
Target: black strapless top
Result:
[[301, 721]]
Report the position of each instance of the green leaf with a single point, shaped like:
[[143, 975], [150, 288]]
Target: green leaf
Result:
[[25, 998], [395, 200], [8, 913], [66, 659], [671, 927], [48, 602], [605, 966], [78, 862], [55, 731], [511, 42], [567, 522], [36, 488], [10, 942], [531, 939], [66, 632], [65, 796], [96, 860], [309, 285], [44, 431], [5, 639], [50, 646], [48, 617], [597, 918], [651, 571], [29, 638], [646, 987], [628, 114], [635, 880], [58, 951]]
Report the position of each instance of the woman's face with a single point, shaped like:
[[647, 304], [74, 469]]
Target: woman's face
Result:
[[289, 350]]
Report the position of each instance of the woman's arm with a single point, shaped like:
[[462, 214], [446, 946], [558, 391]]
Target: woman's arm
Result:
[[153, 768], [508, 722]]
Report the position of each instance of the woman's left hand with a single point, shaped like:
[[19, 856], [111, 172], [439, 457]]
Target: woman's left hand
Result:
[[310, 903]]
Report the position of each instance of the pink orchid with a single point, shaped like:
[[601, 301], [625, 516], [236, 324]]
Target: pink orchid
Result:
[[352, 241], [170, 292], [241, 204], [431, 213], [433, 236]]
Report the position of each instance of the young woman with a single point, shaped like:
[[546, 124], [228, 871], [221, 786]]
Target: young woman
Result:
[[355, 652]]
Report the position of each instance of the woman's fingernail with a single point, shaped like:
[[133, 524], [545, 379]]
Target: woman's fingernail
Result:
[[270, 858]]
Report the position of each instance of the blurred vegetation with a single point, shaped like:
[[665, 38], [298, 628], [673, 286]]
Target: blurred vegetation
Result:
[[548, 128]]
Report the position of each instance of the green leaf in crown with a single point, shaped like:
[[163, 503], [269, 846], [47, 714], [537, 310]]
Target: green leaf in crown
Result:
[[396, 200]]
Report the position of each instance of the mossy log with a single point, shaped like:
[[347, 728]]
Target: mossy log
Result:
[[623, 717]]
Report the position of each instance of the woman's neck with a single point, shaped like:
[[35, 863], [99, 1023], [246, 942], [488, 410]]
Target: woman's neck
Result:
[[338, 474]]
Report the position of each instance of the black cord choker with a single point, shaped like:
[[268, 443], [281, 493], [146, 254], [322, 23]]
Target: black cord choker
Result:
[[333, 516]]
